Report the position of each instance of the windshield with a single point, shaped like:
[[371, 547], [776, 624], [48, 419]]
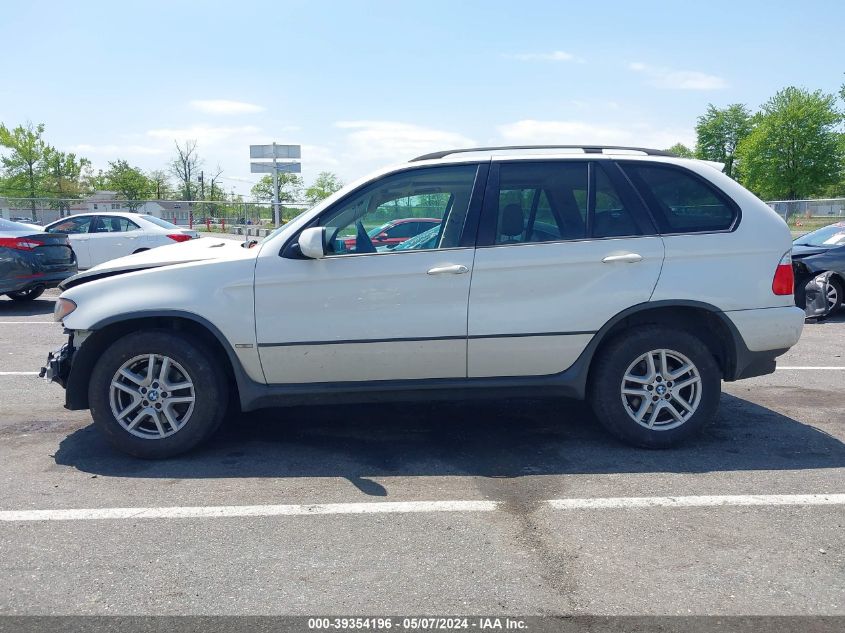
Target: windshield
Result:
[[833, 235], [159, 222], [373, 232], [279, 229], [419, 241]]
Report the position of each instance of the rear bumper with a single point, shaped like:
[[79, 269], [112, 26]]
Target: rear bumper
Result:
[[766, 333], [768, 329], [49, 280]]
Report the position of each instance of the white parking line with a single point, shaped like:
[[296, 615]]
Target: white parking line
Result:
[[697, 501], [28, 322], [207, 512], [405, 507], [807, 367], [19, 373]]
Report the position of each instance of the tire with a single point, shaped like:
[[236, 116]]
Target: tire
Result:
[[140, 250], [30, 294], [186, 416], [836, 287], [616, 406]]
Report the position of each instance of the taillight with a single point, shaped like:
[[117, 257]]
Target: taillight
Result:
[[784, 281], [20, 243], [179, 237]]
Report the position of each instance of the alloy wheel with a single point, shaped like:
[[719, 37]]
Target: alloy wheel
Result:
[[661, 390], [152, 396]]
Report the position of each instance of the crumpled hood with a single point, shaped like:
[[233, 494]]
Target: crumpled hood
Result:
[[204, 248], [799, 250]]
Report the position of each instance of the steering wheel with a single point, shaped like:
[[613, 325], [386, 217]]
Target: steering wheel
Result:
[[363, 243]]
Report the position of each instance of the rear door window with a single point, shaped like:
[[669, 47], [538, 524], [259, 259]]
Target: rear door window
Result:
[[680, 201], [545, 201]]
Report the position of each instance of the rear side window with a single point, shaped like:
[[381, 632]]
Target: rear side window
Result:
[[680, 201]]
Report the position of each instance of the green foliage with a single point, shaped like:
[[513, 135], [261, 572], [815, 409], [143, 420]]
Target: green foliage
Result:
[[64, 177], [795, 149], [23, 164], [290, 188], [719, 133], [160, 184], [323, 186], [130, 183], [679, 149]]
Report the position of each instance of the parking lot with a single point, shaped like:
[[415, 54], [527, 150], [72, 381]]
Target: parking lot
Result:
[[511, 507]]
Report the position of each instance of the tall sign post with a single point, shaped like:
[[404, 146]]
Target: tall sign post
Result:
[[290, 154]]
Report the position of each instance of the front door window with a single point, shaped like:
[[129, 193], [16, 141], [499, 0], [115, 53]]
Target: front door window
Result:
[[419, 209]]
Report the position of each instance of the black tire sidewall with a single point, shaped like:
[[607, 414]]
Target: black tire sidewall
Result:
[[25, 296], [210, 390], [615, 359]]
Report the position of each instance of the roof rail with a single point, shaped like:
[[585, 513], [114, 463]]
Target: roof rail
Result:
[[588, 149]]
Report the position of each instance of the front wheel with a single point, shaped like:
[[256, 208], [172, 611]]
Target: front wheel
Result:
[[155, 394], [655, 387], [834, 295]]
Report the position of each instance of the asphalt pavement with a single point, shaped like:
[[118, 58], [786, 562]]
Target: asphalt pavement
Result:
[[508, 507]]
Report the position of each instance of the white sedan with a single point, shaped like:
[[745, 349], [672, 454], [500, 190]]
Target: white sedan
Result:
[[99, 237]]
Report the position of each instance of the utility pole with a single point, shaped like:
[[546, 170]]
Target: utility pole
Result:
[[202, 186]]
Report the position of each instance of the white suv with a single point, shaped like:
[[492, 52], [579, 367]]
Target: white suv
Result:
[[629, 277]]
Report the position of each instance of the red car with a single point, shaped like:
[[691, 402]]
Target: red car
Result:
[[396, 231]]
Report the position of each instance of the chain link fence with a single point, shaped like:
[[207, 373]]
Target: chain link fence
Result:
[[212, 215]]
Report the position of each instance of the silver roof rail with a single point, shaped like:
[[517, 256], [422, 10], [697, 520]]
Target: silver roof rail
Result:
[[588, 149]]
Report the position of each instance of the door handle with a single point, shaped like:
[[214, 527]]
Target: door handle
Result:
[[457, 269], [627, 258]]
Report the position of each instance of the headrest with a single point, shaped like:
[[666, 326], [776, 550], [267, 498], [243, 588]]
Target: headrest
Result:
[[513, 222]]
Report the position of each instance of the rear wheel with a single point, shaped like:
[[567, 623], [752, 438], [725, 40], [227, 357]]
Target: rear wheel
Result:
[[26, 295], [655, 387], [155, 394]]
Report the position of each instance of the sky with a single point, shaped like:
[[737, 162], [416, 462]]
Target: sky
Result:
[[363, 84]]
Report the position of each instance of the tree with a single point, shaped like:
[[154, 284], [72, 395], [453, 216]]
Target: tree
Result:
[[160, 182], [325, 185], [24, 165], [795, 149], [679, 149], [184, 168], [719, 133], [289, 190], [130, 183], [64, 177]]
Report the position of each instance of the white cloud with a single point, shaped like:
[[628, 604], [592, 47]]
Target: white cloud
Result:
[[661, 77], [116, 151], [554, 56], [572, 132], [207, 135], [395, 141], [224, 106], [319, 155]]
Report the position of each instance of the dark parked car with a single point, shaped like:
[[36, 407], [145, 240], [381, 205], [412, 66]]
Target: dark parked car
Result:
[[395, 232], [32, 261], [819, 252]]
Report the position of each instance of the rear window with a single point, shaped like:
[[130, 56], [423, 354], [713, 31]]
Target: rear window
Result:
[[159, 222], [680, 201]]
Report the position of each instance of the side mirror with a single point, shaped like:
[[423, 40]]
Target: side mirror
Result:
[[312, 242]]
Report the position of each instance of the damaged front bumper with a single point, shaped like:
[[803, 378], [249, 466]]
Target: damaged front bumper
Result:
[[58, 364]]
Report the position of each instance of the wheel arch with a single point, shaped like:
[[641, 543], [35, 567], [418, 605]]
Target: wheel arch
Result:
[[703, 320], [105, 332]]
